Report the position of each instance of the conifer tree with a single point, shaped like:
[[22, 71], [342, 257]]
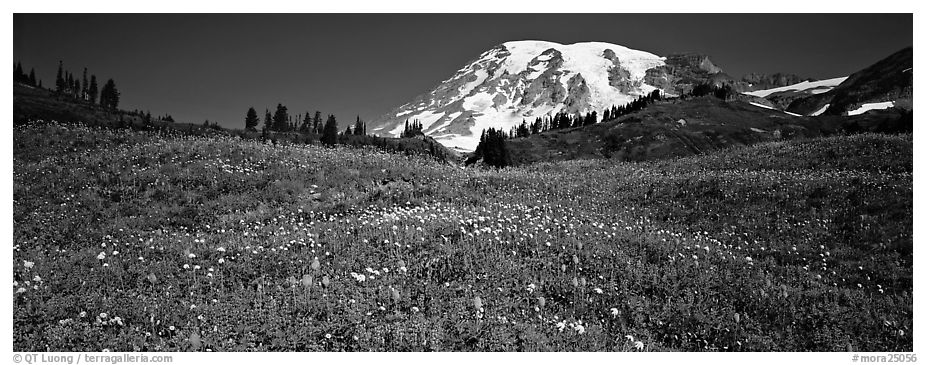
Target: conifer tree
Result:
[[280, 119], [306, 124], [330, 135], [492, 148], [317, 122], [32, 77], [59, 80], [109, 95], [18, 74], [268, 120], [360, 127], [92, 89], [83, 92], [251, 120]]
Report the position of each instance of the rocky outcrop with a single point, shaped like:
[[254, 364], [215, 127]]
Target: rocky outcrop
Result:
[[758, 81], [682, 72]]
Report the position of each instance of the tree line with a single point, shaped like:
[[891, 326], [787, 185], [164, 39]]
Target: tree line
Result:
[[21, 77], [67, 84], [281, 121]]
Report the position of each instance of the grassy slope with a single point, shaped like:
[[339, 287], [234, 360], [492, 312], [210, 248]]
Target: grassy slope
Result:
[[710, 125], [30, 104], [807, 250]]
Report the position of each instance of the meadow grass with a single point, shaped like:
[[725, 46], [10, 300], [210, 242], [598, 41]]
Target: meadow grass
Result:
[[137, 241]]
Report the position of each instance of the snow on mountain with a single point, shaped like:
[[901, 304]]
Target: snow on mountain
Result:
[[813, 87], [820, 111], [762, 106], [522, 80], [871, 106], [773, 108]]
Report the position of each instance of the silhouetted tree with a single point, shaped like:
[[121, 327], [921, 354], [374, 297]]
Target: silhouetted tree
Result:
[[360, 128], [92, 89], [330, 134], [492, 149], [317, 122], [280, 119], [109, 95], [32, 77], [413, 129], [19, 75], [59, 80], [251, 120], [268, 120], [86, 85]]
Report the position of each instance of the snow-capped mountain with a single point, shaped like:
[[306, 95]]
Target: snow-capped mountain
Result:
[[522, 80]]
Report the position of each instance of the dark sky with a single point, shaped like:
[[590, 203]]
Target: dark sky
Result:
[[198, 66]]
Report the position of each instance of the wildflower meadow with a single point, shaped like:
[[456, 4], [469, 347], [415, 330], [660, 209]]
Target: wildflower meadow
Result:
[[144, 241]]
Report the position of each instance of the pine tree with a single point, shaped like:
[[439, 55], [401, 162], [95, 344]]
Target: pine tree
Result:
[[280, 118], [360, 128], [306, 124], [492, 148], [18, 74], [412, 130], [59, 80], [92, 89], [109, 95], [83, 92], [69, 81], [32, 77], [317, 122], [268, 120], [330, 135], [251, 120]]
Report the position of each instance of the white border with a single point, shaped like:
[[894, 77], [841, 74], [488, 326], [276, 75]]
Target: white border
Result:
[[476, 6]]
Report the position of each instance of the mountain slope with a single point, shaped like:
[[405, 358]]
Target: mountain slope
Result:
[[687, 127], [522, 80], [888, 80]]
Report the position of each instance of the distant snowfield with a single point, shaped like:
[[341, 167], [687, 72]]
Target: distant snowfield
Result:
[[820, 111], [872, 106], [762, 106], [815, 87], [775, 109]]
